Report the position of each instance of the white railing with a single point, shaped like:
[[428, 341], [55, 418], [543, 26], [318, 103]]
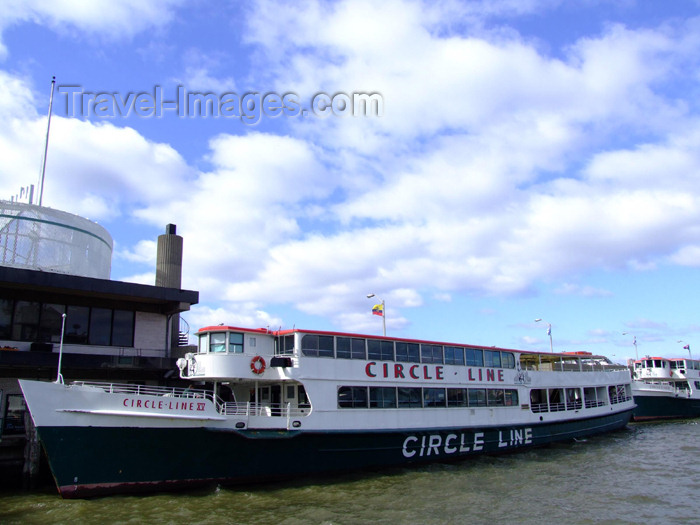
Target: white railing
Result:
[[284, 410], [594, 403], [147, 390], [264, 410]]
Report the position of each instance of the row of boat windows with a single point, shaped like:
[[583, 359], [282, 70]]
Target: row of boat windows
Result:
[[413, 397], [42, 322], [676, 364], [561, 399], [381, 350]]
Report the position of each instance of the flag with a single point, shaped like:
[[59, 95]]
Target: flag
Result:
[[686, 347], [378, 309], [549, 330]]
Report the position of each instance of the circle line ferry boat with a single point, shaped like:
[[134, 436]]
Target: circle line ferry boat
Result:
[[666, 388], [289, 403]]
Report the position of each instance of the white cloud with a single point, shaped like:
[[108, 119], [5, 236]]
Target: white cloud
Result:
[[584, 291], [122, 19], [494, 166]]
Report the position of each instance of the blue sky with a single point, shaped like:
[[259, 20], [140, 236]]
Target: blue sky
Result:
[[530, 159]]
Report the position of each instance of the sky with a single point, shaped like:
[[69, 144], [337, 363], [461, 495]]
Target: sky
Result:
[[476, 165]]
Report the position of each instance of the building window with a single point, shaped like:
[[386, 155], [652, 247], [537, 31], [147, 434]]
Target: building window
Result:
[[51, 322], [100, 332], [13, 422], [26, 321], [6, 307], [123, 328], [77, 318]]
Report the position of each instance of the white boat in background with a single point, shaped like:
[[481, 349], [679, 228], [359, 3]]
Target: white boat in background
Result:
[[666, 388], [289, 403]]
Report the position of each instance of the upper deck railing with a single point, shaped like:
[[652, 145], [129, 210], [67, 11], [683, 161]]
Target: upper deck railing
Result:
[[224, 408], [147, 390]]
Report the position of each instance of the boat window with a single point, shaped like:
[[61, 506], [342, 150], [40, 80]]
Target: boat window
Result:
[[573, 399], [235, 342], [352, 397], [658, 363], [303, 399], [511, 397], [431, 353], [538, 400], [492, 359], [317, 345], [349, 348], [434, 397], [287, 343], [697, 385], [477, 397], [407, 352], [380, 350], [556, 401], [217, 342], [507, 360], [495, 397], [382, 397], [475, 357], [454, 355], [409, 397], [456, 397]]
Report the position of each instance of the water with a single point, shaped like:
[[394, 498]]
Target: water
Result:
[[647, 473]]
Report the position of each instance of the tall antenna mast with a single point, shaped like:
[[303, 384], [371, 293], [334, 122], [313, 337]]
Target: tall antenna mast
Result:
[[46, 146]]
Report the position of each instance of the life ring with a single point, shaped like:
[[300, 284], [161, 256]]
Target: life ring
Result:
[[257, 365]]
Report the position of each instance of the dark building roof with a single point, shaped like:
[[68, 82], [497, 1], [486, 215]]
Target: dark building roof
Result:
[[58, 286]]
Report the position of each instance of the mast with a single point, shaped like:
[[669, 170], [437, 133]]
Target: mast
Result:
[[46, 145]]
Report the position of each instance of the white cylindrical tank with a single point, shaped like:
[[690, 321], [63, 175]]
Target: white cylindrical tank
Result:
[[40, 238]]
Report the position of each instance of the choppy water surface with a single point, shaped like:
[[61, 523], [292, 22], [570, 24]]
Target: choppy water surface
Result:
[[647, 473]]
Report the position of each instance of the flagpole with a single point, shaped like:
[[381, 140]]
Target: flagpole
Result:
[[549, 333], [369, 296], [46, 145], [384, 318]]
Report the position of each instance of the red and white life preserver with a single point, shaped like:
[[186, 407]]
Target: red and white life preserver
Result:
[[257, 365]]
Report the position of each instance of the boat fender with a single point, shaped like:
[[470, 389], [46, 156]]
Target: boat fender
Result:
[[257, 364]]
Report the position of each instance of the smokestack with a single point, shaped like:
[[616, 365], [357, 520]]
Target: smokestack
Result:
[[169, 272], [169, 258]]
